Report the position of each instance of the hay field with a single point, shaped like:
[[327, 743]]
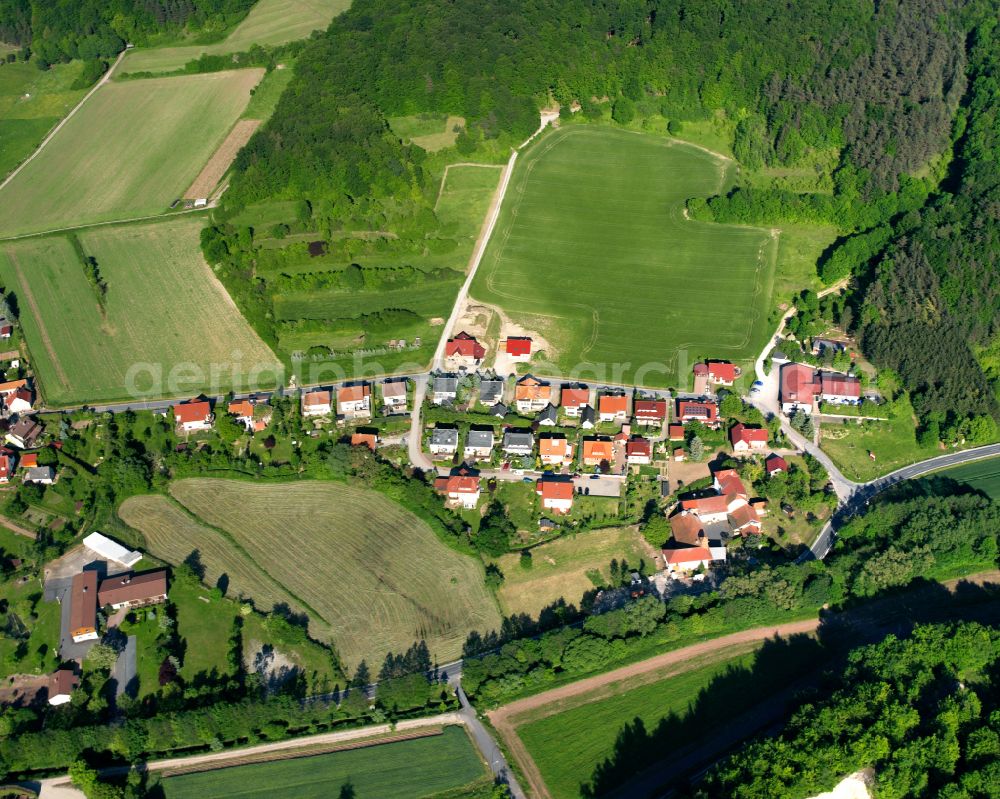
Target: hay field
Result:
[[372, 576], [593, 251], [269, 22], [559, 568], [163, 307], [400, 770], [131, 150]]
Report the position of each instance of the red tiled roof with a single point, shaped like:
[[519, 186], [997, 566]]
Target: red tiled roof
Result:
[[612, 403], [575, 397], [353, 393], [192, 412], [708, 505], [554, 489], [744, 516], [241, 408], [687, 529], [22, 393], [798, 383], [639, 446], [597, 449], [531, 388], [740, 432], [29, 460], [457, 484], [697, 409], [651, 409], [840, 385], [730, 483], [553, 445], [466, 346], [132, 587], [62, 682], [721, 371], [12, 386], [675, 432], [686, 554], [6, 464], [364, 440], [518, 346], [775, 463]]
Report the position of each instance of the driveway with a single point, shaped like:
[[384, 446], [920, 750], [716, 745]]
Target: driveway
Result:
[[124, 671]]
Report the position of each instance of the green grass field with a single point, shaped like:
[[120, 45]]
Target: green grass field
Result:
[[163, 308], [592, 250], [131, 150], [372, 576], [981, 475], [431, 132], [402, 770], [269, 22], [31, 103], [559, 568]]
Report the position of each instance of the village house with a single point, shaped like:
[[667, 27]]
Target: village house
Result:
[[490, 391], [464, 350], [6, 327], [19, 401], [802, 385], [839, 389], [549, 417], [532, 395], [728, 483], [355, 402], [598, 451], [7, 462], [133, 590], [444, 389], [675, 432], [704, 411], [650, 412], [775, 464], [479, 442], [499, 410], [613, 407], [518, 442], [394, 396], [83, 607], [361, 438], [459, 490], [62, 683], [255, 416], [24, 433], [557, 495], [638, 451], [822, 346], [9, 387], [721, 373], [554, 449], [317, 403], [574, 399], [680, 560], [40, 475], [709, 510], [747, 439], [444, 440], [193, 416], [687, 528], [518, 348], [743, 519], [28, 460], [588, 418]]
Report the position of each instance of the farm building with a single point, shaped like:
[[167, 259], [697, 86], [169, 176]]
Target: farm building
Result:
[[111, 550], [355, 402], [532, 395], [748, 439], [574, 399], [687, 528], [317, 403], [728, 483], [554, 449], [557, 495], [802, 385], [61, 686], [613, 407], [193, 416], [708, 509], [83, 607], [465, 350], [459, 490], [518, 348], [133, 590]]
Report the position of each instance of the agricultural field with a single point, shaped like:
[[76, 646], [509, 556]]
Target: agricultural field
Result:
[[559, 569], [269, 22], [588, 202], [31, 103], [431, 132], [163, 313], [372, 576], [677, 707], [131, 150], [981, 475], [421, 767]]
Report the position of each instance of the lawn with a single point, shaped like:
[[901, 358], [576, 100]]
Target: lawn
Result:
[[402, 770], [205, 623], [269, 22], [593, 251], [431, 132], [981, 475], [31, 103], [166, 322], [568, 740], [371, 575], [131, 150], [892, 441], [559, 568]]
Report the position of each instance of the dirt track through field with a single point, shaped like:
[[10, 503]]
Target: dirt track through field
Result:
[[42, 332], [221, 160], [504, 718]]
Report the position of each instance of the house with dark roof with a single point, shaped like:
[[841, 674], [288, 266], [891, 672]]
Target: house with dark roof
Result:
[[518, 442], [133, 590], [444, 389], [499, 410], [62, 683], [444, 440], [490, 391], [40, 475], [549, 416], [588, 417], [479, 442], [24, 433], [774, 464]]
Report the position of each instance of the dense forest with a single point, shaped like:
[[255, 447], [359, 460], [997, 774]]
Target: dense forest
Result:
[[60, 30], [923, 712]]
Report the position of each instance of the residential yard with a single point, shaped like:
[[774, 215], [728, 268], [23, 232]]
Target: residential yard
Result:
[[585, 198], [31, 626], [371, 575], [31, 103], [892, 441], [401, 770], [132, 149], [560, 568], [205, 623], [166, 319], [269, 22]]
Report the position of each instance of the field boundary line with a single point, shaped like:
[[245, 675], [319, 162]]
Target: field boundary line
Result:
[[104, 79], [42, 331], [111, 223]]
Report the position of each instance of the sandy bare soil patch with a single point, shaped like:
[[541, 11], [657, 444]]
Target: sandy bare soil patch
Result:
[[222, 159]]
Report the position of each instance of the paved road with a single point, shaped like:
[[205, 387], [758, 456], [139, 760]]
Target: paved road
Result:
[[125, 667], [488, 747]]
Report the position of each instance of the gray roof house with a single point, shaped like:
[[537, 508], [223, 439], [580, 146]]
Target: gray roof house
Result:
[[490, 391], [40, 474], [499, 410], [479, 443], [549, 416], [588, 417], [444, 440], [444, 388], [518, 442]]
